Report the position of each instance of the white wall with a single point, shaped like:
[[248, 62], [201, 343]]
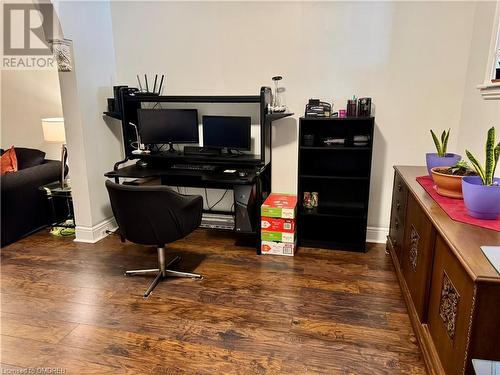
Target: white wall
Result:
[[478, 115], [27, 97], [410, 57]]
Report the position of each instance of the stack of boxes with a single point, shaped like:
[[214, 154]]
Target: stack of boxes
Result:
[[278, 228]]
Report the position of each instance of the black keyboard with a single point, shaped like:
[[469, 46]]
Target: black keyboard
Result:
[[194, 150], [194, 167]]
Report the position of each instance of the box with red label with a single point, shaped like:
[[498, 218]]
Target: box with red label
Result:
[[278, 248], [280, 205], [275, 224]]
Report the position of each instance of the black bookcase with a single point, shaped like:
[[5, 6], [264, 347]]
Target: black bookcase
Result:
[[340, 174]]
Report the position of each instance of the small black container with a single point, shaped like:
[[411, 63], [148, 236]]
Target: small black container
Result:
[[364, 107], [351, 108]]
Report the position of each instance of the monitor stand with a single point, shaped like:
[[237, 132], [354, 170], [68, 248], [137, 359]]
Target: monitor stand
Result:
[[171, 148]]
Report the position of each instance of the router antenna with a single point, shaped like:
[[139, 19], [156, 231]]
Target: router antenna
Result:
[[154, 87], [161, 83], [139, 81]]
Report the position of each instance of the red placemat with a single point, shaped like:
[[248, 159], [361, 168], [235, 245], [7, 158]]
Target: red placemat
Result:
[[455, 208]]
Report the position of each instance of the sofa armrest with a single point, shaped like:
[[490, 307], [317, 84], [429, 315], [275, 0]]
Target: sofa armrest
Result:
[[48, 171]]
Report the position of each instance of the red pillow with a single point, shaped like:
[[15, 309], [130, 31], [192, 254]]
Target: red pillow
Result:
[[8, 161]]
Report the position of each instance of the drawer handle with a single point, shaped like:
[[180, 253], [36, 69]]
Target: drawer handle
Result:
[[398, 205], [399, 186], [448, 305], [396, 224], [414, 248]]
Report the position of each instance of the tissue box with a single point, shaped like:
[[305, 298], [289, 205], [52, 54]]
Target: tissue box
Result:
[[278, 248], [280, 205], [277, 236], [277, 225]]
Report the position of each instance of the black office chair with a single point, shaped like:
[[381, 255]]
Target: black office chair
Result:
[[155, 215]]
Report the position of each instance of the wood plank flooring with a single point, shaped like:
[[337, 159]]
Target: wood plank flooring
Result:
[[67, 306]]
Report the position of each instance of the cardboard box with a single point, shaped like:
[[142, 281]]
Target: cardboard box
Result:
[[278, 248], [267, 235], [275, 224], [280, 205]]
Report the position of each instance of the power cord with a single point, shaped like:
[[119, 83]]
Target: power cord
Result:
[[206, 198], [210, 208], [220, 200]]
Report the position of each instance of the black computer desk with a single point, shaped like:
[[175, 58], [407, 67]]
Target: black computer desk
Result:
[[249, 191]]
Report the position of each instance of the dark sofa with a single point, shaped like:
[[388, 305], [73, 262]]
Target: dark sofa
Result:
[[24, 208]]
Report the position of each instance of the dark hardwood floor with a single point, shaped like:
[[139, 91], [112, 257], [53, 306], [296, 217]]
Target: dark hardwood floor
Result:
[[67, 306]]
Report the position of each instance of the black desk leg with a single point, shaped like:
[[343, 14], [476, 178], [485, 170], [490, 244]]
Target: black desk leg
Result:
[[258, 203], [263, 190]]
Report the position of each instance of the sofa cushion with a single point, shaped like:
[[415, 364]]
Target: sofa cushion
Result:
[[8, 161], [29, 157]]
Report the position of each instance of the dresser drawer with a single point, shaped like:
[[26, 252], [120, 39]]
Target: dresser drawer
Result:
[[450, 306], [396, 229], [416, 255]]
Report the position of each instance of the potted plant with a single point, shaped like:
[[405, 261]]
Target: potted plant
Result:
[[441, 158], [449, 179], [482, 192]]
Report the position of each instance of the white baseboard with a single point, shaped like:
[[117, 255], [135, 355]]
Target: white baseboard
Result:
[[98, 232], [377, 234], [95, 233]]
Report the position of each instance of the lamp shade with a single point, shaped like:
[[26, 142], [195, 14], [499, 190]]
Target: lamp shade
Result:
[[53, 129]]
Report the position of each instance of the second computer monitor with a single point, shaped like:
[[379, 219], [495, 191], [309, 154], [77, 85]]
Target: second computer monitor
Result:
[[168, 125], [231, 132]]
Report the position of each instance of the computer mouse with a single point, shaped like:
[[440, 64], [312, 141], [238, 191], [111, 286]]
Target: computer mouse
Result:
[[242, 173]]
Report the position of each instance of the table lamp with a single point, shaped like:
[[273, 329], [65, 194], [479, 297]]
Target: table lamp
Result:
[[53, 131]]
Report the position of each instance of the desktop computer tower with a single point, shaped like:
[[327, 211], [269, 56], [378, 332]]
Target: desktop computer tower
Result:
[[244, 207]]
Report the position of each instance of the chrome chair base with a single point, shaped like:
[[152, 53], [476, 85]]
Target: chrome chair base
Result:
[[162, 272]]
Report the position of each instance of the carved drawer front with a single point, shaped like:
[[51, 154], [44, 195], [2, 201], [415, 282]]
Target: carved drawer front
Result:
[[450, 304], [417, 252], [398, 211]]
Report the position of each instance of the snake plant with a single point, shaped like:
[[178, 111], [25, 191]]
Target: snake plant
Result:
[[461, 169], [441, 144], [492, 153]]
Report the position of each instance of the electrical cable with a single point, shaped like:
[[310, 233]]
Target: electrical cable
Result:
[[216, 203], [206, 199]]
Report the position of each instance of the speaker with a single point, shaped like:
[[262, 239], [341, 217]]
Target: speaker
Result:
[[244, 207]]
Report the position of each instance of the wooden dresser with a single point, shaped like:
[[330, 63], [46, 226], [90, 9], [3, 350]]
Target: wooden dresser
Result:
[[451, 290]]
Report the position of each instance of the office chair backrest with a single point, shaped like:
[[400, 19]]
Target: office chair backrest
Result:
[[153, 215]]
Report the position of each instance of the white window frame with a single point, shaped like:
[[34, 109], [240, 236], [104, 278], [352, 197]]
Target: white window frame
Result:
[[490, 89]]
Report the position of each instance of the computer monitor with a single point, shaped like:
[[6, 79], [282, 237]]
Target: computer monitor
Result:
[[231, 132], [168, 125]]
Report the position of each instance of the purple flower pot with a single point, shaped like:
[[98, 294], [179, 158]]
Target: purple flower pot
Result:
[[482, 202], [433, 160]]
